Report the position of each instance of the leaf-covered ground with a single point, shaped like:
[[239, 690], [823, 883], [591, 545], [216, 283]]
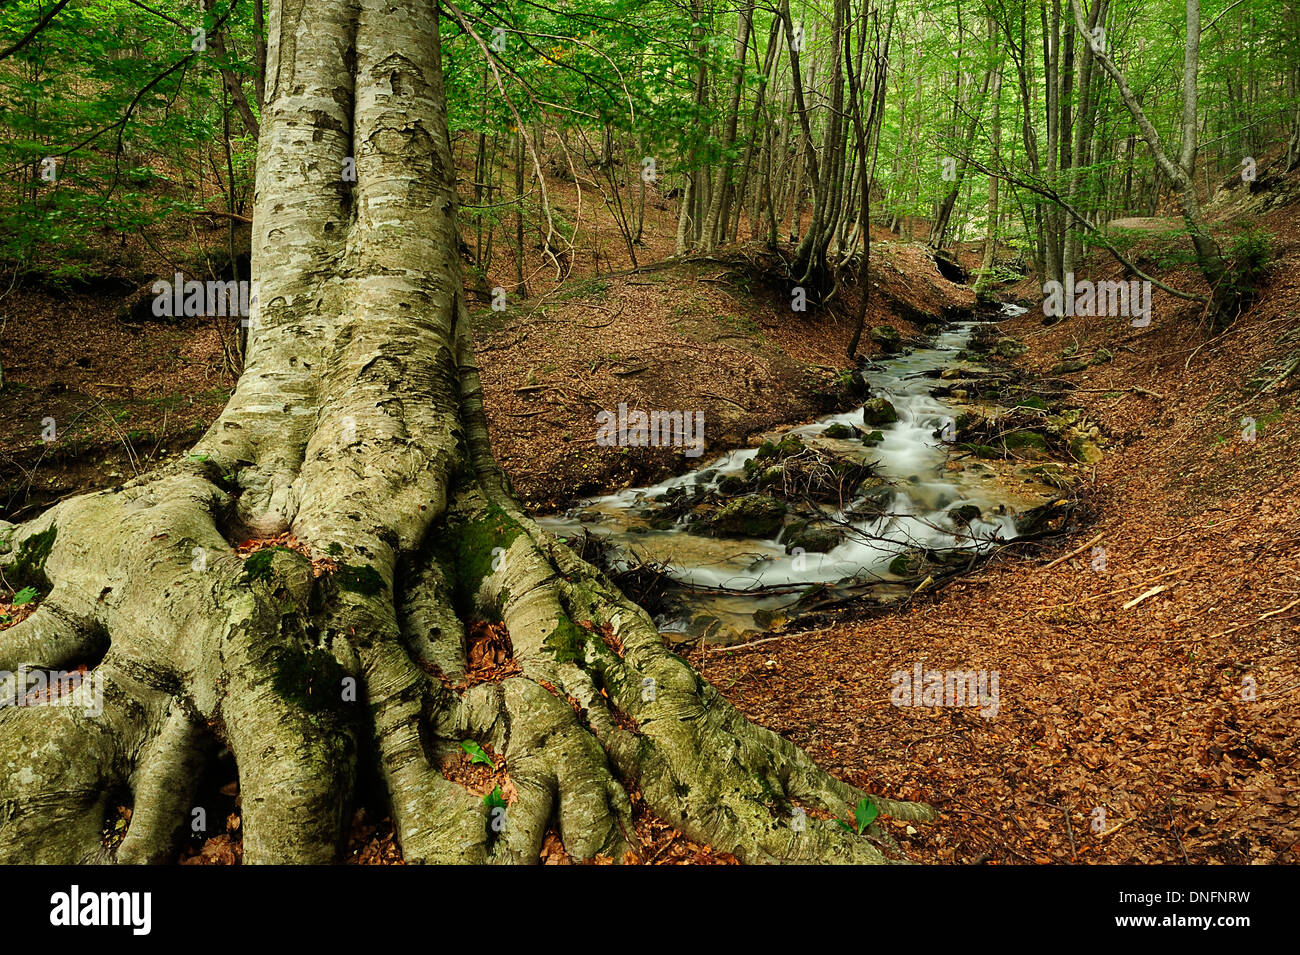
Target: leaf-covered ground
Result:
[[1148, 710]]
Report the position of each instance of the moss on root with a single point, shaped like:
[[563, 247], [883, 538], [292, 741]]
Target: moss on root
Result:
[[257, 566], [472, 552], [311, 680], [28, 568], [359, 579], [567, 642]]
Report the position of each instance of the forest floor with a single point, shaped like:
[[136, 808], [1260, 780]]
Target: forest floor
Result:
[[1147, 707]]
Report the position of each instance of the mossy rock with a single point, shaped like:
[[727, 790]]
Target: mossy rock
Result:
[[964, 514], [1032, 402], [755, 516], [878, 411], [1102, 356], [731, 484], [1084, 450], [910, 564], [1068, 367], [1010, 348], [1052, 474], [784, 448], [853, 384], [986, 451], [873, 438], [1026, 444], [838, 431], [887, 337], [815, 540]]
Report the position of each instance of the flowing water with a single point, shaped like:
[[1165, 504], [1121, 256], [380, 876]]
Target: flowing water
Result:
[[730, 587]]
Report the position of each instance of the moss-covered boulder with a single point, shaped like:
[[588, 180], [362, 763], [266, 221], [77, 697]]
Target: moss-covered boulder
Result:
[[1084, 450], [887, 337], [755, 515], [1026, 444], [731, 484], [910, 564], [814, 540], [838, 431], [878, 412]]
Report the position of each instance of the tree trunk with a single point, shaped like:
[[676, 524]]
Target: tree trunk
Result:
[[1209, 258], [721, 176], [358, 427]]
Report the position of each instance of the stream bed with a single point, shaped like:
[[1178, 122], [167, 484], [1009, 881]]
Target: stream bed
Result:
[[852, 502]]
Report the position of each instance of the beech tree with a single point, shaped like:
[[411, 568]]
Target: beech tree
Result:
[[358, 427]]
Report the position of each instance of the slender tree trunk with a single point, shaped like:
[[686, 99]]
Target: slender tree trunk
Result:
[[1180, 170], [722, 175]]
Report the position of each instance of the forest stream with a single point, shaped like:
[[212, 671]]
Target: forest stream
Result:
[[850, 501]]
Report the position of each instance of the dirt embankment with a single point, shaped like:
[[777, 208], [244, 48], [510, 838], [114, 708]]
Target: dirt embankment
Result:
[[705, 335], [713, 335]]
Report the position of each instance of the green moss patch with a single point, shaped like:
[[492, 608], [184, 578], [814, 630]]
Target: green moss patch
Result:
[[28, 569], [311, 680], [567, 642], [358, 579]]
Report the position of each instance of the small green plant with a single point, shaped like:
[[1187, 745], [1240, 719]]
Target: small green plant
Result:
[[494, 800], [864, 815], [477, 755], [1249, 255], [24, 596]]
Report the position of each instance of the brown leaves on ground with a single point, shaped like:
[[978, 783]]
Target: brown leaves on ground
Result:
[[372, 843], [11, 614], [464, 768], [224, 849], [491, 656], [320, 565]]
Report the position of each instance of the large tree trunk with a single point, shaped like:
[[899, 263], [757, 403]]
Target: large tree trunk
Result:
[[358, 427]]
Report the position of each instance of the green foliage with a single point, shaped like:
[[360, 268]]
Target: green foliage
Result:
[[863, 816], [1248, 255], [109, 127], [24, 596], [477, 755]]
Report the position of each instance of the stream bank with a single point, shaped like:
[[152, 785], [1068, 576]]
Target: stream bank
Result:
[[945, 458]]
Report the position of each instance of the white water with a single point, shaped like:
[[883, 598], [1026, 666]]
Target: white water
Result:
[[911, 456]]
